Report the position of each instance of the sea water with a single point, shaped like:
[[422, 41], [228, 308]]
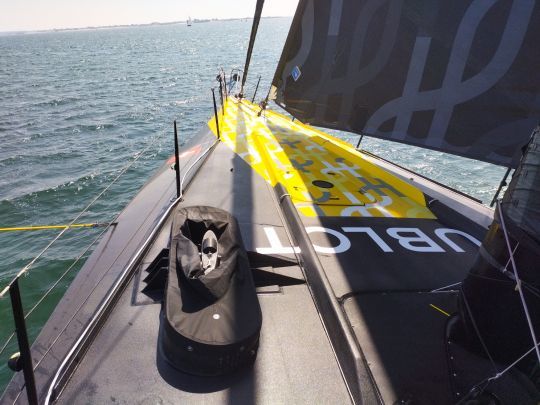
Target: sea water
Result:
[[77, 106]]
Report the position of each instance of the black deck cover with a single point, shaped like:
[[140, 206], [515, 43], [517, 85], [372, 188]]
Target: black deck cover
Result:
[[211, 322]]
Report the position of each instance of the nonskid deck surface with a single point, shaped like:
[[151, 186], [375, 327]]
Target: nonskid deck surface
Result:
[[295, 362]]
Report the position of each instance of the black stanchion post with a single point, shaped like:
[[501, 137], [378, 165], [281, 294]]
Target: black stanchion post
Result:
[[215, 113], [359, 141], [22, 338], [176, 161]]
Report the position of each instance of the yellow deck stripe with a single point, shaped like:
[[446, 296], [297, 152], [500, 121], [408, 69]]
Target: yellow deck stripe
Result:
[[301, 157]]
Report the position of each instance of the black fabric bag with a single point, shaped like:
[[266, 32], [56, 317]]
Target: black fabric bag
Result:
[[210, 322]]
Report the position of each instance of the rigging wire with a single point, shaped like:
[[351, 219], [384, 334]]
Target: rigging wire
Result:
[[446, 287], [501, 185], [518, 281], [27, 267], [77, 310], [478, 388], [104, 274], [107, 226], [504, 270], [73, 225], [54, 286], [473, 321], [482, 385], [65, 228], [532, 289]]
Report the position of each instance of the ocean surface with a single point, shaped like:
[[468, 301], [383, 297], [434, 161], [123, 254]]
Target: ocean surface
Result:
[[77, 106]]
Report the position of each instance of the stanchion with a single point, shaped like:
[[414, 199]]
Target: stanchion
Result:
[[176, 162], [22, 339], [215, 113]]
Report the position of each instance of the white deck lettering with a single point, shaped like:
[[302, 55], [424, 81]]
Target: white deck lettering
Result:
[[344, 242], [442, 232], [371, 233], [412, 239], [418, 243]]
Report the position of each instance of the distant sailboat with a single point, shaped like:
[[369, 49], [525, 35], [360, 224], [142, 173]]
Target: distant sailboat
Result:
[[189, 22]]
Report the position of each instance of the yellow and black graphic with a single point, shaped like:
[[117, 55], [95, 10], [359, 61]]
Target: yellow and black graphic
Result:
[[323, 175]]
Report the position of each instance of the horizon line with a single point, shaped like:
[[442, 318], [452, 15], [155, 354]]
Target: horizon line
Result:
[[92, 27]]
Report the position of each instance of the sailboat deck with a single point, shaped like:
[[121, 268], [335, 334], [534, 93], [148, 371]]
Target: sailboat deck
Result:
[[385, 295], [353, 316], [123, 364], [294, 358]]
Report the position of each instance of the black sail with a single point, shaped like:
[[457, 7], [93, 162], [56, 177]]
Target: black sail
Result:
[[457, 76]]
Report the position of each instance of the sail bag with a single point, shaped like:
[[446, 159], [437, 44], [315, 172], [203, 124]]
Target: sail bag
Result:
[[211, 318]]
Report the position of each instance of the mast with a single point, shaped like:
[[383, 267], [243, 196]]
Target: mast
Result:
[[254, 27]]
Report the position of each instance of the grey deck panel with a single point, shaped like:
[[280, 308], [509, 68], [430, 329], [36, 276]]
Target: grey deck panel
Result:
[[295, 363], [365, 266], [413, 359], [226, 181], [402, 339]]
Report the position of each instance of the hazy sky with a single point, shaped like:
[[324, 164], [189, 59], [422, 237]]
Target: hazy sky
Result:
[[18, 15]]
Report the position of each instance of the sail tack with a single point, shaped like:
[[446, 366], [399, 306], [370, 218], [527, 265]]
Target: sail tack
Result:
[[456, 76]]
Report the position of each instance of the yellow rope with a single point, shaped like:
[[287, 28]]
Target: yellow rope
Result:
[[440, 310], [42, 227]]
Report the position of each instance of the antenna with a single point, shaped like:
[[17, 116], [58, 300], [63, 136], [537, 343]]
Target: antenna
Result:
[[216, 114], [176, 162]]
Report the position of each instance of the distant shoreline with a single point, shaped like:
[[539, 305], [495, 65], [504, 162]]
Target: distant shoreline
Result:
[[101, 27]]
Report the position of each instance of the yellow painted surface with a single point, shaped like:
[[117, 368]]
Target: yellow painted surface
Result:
[[300, 157]]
